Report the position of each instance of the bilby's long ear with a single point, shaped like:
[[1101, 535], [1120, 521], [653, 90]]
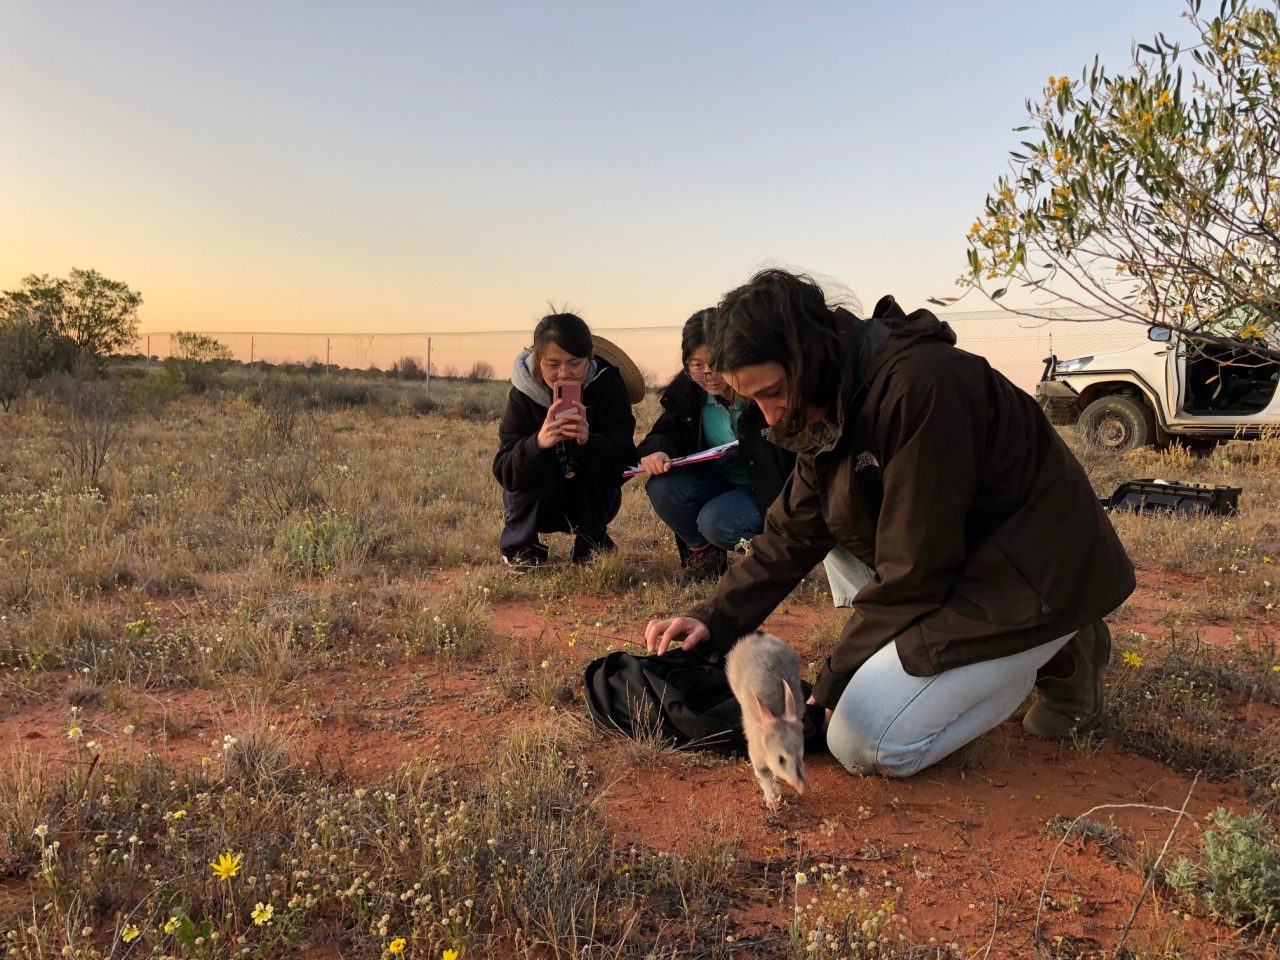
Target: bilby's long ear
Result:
[[762, 712], [791, 710]]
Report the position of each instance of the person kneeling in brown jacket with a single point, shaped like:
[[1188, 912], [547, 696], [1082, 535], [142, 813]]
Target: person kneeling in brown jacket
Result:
[[993, 561]]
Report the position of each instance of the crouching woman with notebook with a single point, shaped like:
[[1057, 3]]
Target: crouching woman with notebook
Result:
[[712, 506]]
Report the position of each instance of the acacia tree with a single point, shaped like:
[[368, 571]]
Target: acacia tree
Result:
[[25, 355], [1152, 196], [96, 315], [197, 360]]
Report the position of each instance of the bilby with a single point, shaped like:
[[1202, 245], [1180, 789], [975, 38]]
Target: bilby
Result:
[[764, 674]]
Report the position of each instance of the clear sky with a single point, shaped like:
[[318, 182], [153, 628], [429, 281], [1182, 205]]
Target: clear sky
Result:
[[401, 166]]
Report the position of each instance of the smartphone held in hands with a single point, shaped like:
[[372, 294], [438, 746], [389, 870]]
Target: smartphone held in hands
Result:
[[571, 391]]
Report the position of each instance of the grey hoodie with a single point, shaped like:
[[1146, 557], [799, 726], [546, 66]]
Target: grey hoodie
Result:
[[525, 379]]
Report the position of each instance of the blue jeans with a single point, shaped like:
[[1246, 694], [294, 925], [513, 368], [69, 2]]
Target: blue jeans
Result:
[[897, 724], [846, 574], [702, 507]]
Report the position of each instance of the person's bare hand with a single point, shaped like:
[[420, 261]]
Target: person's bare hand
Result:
[[659, 635], [565, 420], [826, 720], [655, 463]]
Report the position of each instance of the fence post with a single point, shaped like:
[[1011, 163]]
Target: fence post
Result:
[[326, 354], [251, 351], [428, 368], [148, 349]]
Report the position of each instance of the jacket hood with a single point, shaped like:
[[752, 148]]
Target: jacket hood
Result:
[[908, 329], [867, 346], [525, 378]]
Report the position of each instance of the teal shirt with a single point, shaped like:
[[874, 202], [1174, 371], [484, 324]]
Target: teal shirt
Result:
[[718, 423]]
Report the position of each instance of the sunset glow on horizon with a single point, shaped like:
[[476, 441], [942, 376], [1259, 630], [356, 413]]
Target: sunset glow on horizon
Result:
[[328, 167]]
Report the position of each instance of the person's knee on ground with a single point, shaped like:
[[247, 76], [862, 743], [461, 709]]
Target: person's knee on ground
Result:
[[901, 724], [678, 500], [725, 521], [859, 743]]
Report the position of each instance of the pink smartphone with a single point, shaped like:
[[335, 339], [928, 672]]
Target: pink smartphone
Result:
[[569, 391]]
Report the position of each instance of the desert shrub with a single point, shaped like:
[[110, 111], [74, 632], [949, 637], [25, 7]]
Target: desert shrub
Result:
[[27, 353], [335, 393], [480, 370], [408, 368], [283, 401], [421, 404], [286, 453], [155, 393], [1238, 876], [472, 407], [197, 361], [456, 624], [91, 415], [321, 541]]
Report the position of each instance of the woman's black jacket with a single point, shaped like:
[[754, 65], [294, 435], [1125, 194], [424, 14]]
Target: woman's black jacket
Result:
[[678, 432], [609, 450]]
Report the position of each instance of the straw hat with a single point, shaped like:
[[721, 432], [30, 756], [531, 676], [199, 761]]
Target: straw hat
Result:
[[617, 357]]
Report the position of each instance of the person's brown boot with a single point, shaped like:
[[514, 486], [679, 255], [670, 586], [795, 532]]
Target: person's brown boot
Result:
[[707, 562], [1069, 687]]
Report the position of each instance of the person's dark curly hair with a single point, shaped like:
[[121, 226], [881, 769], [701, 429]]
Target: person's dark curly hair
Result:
[[781, 317]]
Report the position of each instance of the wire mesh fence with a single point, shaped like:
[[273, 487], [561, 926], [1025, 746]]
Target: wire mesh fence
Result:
[[1014, 345]]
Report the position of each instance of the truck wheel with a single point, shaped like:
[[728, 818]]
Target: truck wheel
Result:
[[1117, 423]]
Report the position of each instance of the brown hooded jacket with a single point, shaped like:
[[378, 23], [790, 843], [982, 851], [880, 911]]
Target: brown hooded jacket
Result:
[[984, 533]]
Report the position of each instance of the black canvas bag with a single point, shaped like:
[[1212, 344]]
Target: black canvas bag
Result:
[[680, 698]]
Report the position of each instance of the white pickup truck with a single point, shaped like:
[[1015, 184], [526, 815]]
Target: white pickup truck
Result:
[[1174, 387]]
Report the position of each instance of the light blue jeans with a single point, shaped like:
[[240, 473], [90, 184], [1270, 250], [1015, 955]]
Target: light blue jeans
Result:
[[891, 722], [846, 574]]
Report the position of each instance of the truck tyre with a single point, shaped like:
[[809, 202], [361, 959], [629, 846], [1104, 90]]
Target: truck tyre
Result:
[[1117, 423]]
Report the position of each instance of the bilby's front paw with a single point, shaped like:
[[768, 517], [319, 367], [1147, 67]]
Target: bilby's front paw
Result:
[[772, 796]]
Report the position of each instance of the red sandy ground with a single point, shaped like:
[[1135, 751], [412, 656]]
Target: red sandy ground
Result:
[[964, 840]]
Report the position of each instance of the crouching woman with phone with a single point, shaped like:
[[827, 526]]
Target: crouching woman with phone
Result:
[[565, 438]]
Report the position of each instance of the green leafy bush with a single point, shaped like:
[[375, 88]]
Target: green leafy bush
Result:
[[321, 541], [1238, 877]]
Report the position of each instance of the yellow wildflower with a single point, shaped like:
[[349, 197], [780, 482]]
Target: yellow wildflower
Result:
[[449, 955], [396, 945], [130, 933], [1131, 658], [75, 733], [171, 924], [263, 913], [227, 865]]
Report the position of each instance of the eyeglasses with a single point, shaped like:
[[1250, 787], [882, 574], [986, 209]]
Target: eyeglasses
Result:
[[571, 367], [700, 372]]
